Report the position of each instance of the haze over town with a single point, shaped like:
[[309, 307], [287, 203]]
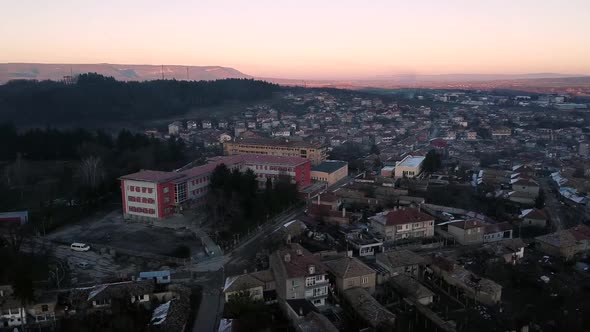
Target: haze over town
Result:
[[295, 166]]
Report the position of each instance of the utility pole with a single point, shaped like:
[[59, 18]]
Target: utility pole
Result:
[[162, 72], [187, 73]]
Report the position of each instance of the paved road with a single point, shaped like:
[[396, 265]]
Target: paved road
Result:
[[233, 263], [552, 205]]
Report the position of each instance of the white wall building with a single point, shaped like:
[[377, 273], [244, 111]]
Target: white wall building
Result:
[[409, 167]]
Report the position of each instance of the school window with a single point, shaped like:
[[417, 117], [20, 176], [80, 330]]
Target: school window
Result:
[[365, 280]]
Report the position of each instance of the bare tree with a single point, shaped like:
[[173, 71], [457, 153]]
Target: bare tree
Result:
[[92, 171]]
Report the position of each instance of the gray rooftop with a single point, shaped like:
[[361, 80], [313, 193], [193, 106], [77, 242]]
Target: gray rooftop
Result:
[[410, 161], [329, 166]]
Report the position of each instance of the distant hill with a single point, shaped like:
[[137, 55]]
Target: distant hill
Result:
[[55, 72]]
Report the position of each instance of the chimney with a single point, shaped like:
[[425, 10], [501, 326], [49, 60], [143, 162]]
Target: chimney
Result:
[[319, 200], [343, 212], [245, 271], [299, 252], [287, 258], [300, 311]]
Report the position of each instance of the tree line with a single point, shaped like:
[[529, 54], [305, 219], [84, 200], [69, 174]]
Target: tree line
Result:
[[61, 175], [94, 97], [236, 204]]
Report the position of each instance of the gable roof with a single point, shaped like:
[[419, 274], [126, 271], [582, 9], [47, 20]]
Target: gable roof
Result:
[[534, 214], [400, 258], [299, 261], [367, 307], [348, 267], [406, 216], [241, 282]]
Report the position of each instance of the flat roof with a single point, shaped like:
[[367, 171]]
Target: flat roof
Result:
[[329, 166], [411, 161], [152, 176]]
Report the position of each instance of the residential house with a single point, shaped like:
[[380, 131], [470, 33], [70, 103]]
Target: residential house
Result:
[[409, 287], [401, 262], [42, 311], [260, 285], [524, 191], [368, 309], [533, 218], [206, 124], [350, 272], [174, 128], [497, 232], [364, 244], [12, 313], [565, 243], [467, 231], [403, 223], [243, 283], [171, 316], [305, 317], [510, 251], [299, 275], [102, 296], [478, 288]]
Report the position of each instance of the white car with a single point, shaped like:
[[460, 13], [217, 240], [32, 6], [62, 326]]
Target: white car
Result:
[[79, 247], [448, 216]]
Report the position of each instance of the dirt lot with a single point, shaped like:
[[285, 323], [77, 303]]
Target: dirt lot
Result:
[[111, 230]]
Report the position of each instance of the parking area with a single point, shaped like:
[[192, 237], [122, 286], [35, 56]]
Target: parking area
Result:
[[112, 231]]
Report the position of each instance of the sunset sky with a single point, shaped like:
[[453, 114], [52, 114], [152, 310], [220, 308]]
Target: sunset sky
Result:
[[305, 38]]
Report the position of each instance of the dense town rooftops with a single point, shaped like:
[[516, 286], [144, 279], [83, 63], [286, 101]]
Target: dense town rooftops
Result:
[[277, 142]]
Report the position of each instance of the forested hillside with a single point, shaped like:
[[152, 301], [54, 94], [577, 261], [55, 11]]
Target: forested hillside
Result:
[[103, 99]]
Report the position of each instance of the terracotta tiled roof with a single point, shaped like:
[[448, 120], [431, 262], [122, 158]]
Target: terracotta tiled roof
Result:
[[298, 261], [406, 216]]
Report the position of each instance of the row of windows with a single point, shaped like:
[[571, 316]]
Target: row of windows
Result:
[[274, 168], [416, 225], [141, 199], [200, 180], [199, 190], [142, 210], [141, 189], [364, 281]]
